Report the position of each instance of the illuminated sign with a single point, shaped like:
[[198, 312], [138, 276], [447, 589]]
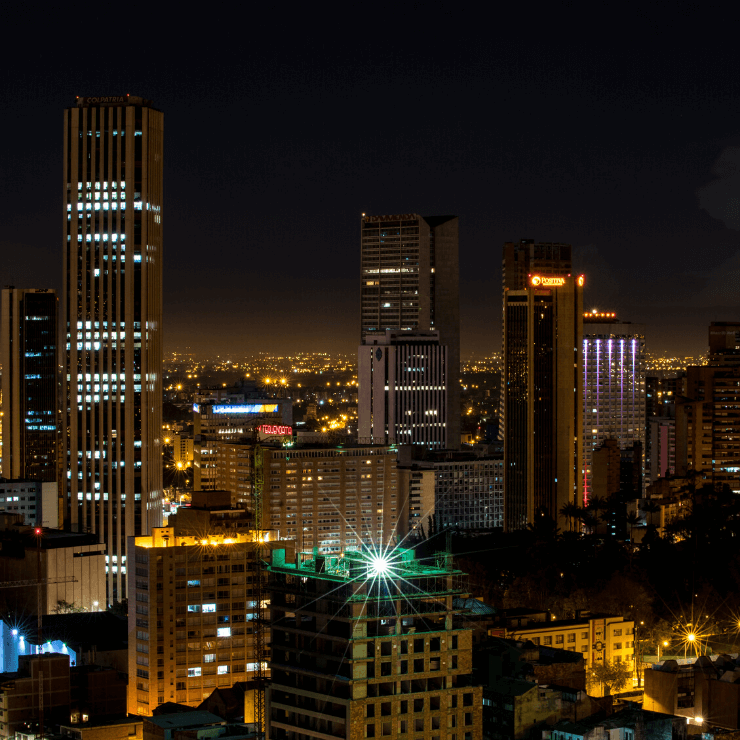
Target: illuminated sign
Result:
[[196, 408], [247, 408], [538, 281], [106, 99], [395, 217], [580, 280], [275, 430]]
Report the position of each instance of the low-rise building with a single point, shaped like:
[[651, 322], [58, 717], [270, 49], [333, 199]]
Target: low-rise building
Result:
[[72, 566], [705, 692], [630, 723], [40, 681], [117, 728], [597, 637]]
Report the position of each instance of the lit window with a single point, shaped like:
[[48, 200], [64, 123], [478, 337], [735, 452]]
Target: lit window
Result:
[[194, 672], [223, 669]]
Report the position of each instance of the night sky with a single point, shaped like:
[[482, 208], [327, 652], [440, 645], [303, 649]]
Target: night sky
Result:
[[279, 135]]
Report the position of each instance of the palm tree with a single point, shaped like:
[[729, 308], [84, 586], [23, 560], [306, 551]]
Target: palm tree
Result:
[[571, 512], [650, 507], [632, 520]]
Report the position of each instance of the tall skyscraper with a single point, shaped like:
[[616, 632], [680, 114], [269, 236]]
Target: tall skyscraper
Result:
[[613, 356], [527, 257], [521, 260], [28, 353], [410, 282], [113, 321], [542, 397]]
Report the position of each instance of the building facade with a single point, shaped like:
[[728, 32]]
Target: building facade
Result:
[[354, 657], [229, 417], [410, 283], [191, 615], [708, 416], [613, 361], [37, 502], [112, 327], [28, 355], [403, 390], [334, 498], [542, 397], [598, 637], [460, 490]]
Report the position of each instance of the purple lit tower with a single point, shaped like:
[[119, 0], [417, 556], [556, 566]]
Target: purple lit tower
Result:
[[613, 369]]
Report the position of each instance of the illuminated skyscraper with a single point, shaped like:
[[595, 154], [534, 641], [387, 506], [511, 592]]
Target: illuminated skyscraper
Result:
[[520, 260], [613, 356], [113, 321], [410, 282], [28, 353], [542, 396]]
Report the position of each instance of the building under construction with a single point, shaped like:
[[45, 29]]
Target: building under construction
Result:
[[368, 645]]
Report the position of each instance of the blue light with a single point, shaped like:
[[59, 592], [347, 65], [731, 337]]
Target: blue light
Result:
[[248, 408]]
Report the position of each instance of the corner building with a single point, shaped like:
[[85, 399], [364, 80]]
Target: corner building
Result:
[[358, 655], [113, 322], [543, 401]]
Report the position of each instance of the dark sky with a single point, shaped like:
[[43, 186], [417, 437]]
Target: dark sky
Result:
[[279, 134]]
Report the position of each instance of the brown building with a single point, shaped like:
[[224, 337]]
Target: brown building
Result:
[[111, 322], [193, 614], [542, 399], [333, 498], [706, 692], [122, 728], [21, 693], [708, 424], [354, 657]]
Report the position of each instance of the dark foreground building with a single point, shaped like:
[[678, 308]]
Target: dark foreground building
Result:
[[365, 646]]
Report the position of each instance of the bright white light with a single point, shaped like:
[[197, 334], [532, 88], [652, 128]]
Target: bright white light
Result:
[[15, 632], [379, 565]]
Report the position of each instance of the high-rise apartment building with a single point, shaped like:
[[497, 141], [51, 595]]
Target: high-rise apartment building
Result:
[[28, 354], [112, 330], [613, 386], [542, 397], [403, 390], [334, 498], [191, 614], [410, 282], [366, 646]]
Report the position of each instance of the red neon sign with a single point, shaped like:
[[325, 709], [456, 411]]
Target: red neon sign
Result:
[[275, 430]]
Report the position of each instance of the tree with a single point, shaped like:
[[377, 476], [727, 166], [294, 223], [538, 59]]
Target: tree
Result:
[[650, 507], [633, 519], [571, 512], [67, 607], [611, 675]]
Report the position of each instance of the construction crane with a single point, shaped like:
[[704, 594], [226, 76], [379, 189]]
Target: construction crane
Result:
[[258, 634]]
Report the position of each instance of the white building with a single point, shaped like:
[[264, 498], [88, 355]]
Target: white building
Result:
[[613, 385], [403, 390]]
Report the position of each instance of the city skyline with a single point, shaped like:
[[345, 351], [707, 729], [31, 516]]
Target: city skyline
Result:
[[633, 201]]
